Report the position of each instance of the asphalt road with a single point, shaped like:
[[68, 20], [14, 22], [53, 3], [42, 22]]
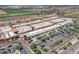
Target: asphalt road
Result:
[[72, 49], [67, 40]]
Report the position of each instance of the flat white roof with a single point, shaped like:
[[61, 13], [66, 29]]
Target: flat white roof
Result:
[[43, 30], [47, 28], [6, 35], [11, 34], [23, 29], [4, 29], [41, 25], [65, 22], [57, 20], [54, 17], [22, 24]]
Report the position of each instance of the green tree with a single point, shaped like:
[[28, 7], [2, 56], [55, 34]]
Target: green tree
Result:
[[18, 45], [29, 40], [57, 43], [78, 37], [69, 44], [46, 50], [64, 47]]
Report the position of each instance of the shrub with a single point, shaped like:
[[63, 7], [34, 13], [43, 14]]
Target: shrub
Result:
[[64, 47]]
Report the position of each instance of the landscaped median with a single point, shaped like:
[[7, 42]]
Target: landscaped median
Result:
[[65, 46]]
